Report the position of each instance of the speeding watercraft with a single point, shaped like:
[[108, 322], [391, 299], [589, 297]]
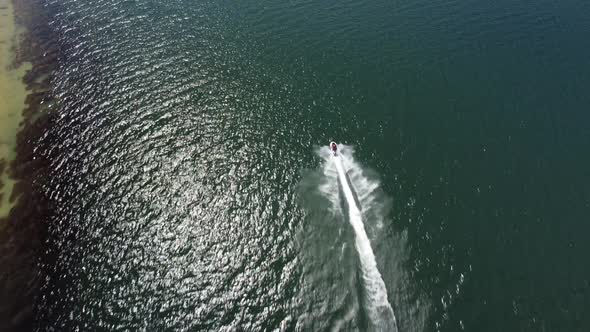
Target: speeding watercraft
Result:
[[333, 147]]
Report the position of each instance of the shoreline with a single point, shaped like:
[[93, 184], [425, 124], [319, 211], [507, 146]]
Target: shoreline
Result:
[[13, 93], [30, 55]]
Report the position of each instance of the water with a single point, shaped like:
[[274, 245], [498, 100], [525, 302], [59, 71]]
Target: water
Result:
[[188, 195]]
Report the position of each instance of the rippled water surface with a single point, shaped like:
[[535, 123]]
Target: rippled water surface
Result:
[[189, 194]]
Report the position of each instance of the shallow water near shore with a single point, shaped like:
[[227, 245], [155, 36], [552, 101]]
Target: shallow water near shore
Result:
[[186, 131], [12, 100]]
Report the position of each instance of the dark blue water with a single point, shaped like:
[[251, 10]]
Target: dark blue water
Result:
[[188, 186]]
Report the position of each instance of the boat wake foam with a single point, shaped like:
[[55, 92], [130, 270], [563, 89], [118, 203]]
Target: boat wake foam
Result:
[[379, 311]]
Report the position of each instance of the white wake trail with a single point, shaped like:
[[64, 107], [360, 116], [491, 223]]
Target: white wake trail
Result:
[[378, 308]]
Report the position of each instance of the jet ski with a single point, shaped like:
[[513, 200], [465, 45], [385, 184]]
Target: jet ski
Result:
[[334, 148]]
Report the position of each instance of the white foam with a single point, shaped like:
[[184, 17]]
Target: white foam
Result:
[[377, 305]]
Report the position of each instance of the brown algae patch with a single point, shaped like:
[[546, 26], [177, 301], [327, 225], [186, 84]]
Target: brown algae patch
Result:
[[13, 93]]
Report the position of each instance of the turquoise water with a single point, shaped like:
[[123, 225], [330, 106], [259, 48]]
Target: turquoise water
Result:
[[191, 191]]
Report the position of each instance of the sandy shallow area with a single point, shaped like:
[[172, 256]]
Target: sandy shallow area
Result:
[[13, 93]]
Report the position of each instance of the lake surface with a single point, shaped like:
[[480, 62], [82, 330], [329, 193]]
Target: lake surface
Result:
[[193, 191]]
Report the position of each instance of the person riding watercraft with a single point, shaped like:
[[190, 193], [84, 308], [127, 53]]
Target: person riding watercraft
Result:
[[333, 147]]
